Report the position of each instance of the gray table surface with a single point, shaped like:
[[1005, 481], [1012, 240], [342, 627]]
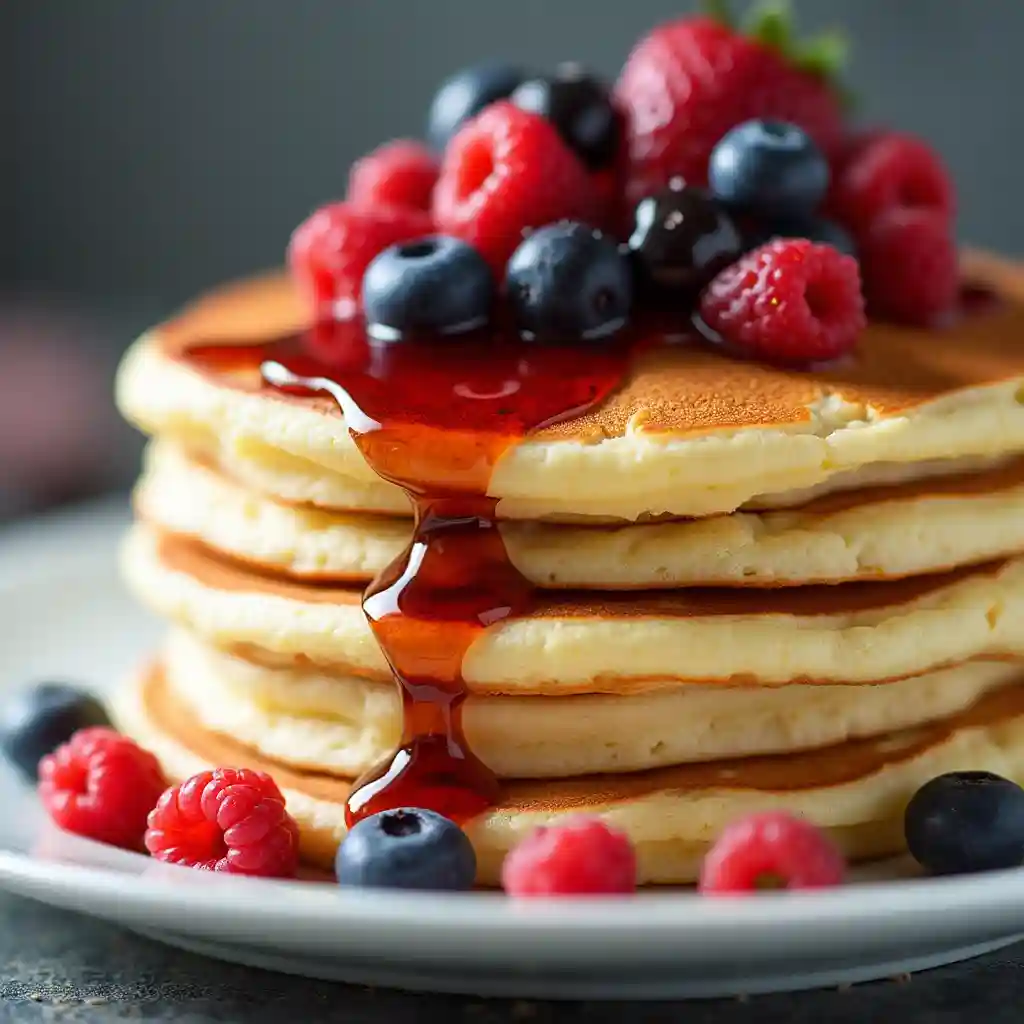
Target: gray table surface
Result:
[[57, 966]]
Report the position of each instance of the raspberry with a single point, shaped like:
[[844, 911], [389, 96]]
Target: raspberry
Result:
[[330, 251], [101, 785], [886, 171], [399, 173], [789, 300], [228, 819], [772, 846], [910, 265], [691, 80], [581, 856], [507, 171]]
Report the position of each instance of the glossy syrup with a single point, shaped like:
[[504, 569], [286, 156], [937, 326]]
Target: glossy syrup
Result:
[[434, 417]]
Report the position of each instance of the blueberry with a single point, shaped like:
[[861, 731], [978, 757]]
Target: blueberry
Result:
[[435, 284], [567, 282], [681, 239], [815, 229], [580, 107], [408, 848], [966, 821], [38, 720], [466, 93], [768, 167]]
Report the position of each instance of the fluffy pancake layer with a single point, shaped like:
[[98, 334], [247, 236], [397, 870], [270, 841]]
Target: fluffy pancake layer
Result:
[[857, 791], [342, 725], [690, 432], [888, 532], [576, 642]]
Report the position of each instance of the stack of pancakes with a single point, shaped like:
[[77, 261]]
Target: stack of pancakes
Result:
[[762, 588]]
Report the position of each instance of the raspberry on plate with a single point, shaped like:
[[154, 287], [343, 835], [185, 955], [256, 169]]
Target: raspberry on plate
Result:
[[399, 173], [791, 300], [771, 847], [330, 251], [505, 172], [101, 785], [581, 856], [910, 266], [691, 80], [891, 171], [228, 819]]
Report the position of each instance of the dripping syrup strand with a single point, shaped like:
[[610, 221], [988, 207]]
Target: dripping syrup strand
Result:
[[434, 418], [424, 609]]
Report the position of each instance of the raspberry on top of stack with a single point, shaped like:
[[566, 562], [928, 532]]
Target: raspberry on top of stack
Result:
[[651, 440]]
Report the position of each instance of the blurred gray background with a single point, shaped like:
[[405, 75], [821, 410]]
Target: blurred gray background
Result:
[[158, 146]]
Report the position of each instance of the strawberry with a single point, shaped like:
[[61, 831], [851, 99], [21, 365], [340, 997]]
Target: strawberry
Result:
[[690, 80]]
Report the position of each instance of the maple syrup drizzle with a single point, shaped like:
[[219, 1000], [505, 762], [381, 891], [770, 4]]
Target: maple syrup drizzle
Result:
[[434, 416]]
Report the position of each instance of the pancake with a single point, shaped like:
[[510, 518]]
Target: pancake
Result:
[[342, 725], [689, 433], [856, 791], [586, 642], [885, 533]]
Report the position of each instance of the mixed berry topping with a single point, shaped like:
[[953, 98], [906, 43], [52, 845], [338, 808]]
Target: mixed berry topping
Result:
[[568, 281], [409, 848], [772, 849], [101, 785], [37, 720], [229, 819], [581, 109], [718, 141], [791, 300], [434, 284], [966, 821], [582, 856]]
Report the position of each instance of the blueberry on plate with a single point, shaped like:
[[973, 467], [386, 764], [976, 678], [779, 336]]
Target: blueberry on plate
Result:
[[681, 239], [435, 284], [37, 720], [569, 282], [580, 108], [770, 168], [966, 821], [466, 93], [815, 229], [408, 848]]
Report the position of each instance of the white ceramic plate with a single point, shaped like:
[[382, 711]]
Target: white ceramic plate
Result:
[[64, 615]]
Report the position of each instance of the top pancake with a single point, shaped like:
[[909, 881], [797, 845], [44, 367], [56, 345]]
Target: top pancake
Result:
[[690, 431]]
